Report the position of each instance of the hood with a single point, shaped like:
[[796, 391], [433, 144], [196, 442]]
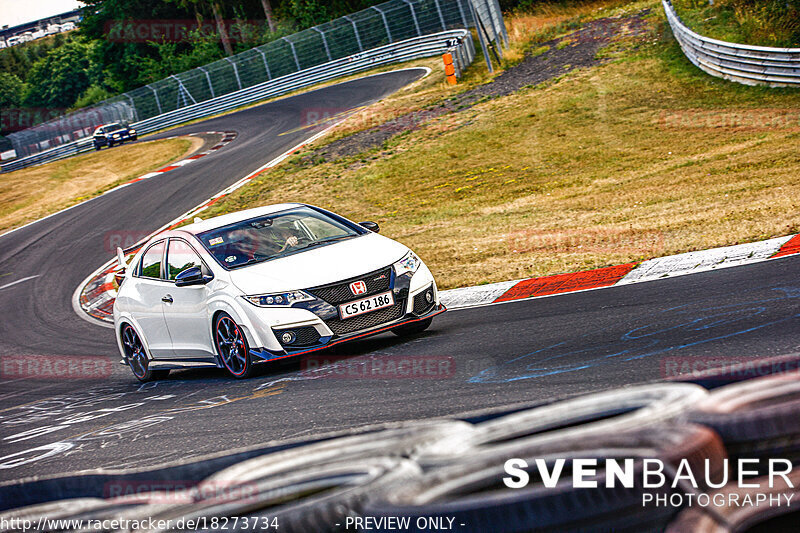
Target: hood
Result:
[[319, 266]]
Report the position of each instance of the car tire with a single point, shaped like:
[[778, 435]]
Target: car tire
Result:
[[573, 419], [756, 418], [469, 491], [97, 146], [232, 348], [413, 328], [745, 517], [137, 358]]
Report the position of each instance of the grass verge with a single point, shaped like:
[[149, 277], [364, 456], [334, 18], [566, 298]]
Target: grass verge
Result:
[[764, 23], [640, 157], [35, 192]]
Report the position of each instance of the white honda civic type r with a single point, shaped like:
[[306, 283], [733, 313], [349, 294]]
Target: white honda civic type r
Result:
[[265, 284]]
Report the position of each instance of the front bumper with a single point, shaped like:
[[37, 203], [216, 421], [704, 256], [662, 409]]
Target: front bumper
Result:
[[263, 355], [316, 324]]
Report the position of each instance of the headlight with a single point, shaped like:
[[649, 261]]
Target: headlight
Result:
[[409, 263], [116, 135], [279, 299], [132, 132]]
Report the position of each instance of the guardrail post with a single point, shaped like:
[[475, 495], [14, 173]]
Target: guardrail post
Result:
[[497, 43], [264, 57], [461, 12], [413, 16], [500, 22], [210, 85], [158, 103], [480, 36], [324, 42], [294, 52], [385, 24], [133, 106], [182, 90], [355, 31], [441, 17], [235, 71]]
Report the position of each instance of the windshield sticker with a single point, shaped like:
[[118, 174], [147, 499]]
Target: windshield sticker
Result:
[[215, 241], [230, 259]]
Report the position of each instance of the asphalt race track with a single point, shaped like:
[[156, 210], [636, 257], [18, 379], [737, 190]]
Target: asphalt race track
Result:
[[472, 359]]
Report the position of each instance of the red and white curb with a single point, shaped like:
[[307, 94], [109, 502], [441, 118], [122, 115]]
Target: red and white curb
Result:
[[94, 298], [227, 136], [652, 269]]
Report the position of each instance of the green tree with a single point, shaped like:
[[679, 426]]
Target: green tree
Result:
[[58, 79], [12, 90]]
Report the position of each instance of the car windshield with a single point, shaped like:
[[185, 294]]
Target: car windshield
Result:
[[114, 127], [276, 235]]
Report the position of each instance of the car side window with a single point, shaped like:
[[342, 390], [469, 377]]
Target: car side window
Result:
[[150, 266], [180, 257]]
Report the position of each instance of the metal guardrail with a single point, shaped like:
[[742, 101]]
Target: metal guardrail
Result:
[[380, 25], [750, 65], [458, 42]]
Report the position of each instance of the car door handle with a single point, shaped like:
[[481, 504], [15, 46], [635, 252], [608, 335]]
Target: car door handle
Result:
[[167, 299]]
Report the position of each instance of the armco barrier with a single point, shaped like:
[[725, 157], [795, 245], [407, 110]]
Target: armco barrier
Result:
[[387, 23], [750, 65], [458, 42]]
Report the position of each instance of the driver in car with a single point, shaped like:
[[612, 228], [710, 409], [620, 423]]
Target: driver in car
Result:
[[279, 239]]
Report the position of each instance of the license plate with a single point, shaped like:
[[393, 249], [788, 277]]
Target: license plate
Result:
[[366, 305]]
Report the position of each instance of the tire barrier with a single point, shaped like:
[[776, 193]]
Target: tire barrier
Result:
[[748, 517], [759, 418], [429, 471], [575, 419], [468, 490]]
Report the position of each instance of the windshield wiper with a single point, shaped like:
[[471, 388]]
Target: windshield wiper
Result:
[[325, 241]]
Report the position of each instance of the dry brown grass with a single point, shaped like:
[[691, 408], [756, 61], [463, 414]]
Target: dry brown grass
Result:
[[641, 157], [32, 193]]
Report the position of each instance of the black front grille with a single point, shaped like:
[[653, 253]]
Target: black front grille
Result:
[[305, 336], [367, 320], [337, 293], [421, 304]]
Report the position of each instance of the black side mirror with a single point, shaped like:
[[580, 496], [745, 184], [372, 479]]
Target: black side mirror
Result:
[[192, 276], [372, 226]]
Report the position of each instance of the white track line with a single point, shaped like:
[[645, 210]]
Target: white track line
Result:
[[7, 285]]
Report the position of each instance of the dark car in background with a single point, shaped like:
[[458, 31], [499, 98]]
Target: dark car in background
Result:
[[111, 134]]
